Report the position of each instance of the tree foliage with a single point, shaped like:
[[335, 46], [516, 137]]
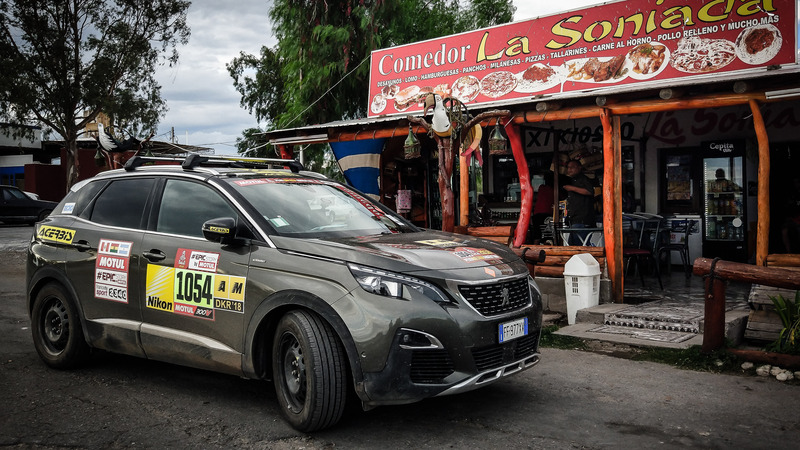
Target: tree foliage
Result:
[[319, 70], [66, 61]]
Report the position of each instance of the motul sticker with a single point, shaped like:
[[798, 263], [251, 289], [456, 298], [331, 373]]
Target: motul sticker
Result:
[[196, 260], [111, 270]]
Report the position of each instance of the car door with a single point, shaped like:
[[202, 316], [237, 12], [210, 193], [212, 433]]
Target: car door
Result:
[[102, 262], [193, 290]]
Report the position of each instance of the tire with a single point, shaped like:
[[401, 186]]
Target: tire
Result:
[[56, 328], [308, 371]]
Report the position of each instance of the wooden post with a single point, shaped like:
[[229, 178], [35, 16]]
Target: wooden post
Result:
[[762, 229], [463, 190], [714, 314], [612, 202], [526, 190]]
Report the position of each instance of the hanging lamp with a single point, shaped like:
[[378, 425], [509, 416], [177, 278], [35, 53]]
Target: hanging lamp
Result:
[[412, 145]]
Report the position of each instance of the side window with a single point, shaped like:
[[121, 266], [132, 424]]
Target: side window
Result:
[[185, 205], [122, 203]]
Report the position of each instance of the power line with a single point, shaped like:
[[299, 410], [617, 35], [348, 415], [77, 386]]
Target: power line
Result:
[[328, 91]]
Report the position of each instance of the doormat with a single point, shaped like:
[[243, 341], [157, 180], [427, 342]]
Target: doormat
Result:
[[674, 337]]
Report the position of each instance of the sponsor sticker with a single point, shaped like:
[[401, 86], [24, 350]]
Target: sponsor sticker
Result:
[[193, 293], [196, 260], [68, 207], [111, 270], [439, 243], [55, 234], [470, 254], [119, 248]]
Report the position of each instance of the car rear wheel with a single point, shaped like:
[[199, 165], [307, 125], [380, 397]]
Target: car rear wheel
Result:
[[309, 372], [56, 328]]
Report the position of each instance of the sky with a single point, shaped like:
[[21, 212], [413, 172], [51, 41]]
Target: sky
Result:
[[203, 105]]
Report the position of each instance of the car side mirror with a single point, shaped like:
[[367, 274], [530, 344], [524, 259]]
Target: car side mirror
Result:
[[221, 229]]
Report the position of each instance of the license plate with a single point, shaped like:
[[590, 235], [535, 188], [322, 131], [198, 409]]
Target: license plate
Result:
[[513, 330]]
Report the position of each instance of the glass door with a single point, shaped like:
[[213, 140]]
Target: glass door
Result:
[[724, 201]]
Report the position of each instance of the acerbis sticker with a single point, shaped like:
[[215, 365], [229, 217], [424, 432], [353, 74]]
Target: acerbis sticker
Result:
[[111, 270], [55, 234]]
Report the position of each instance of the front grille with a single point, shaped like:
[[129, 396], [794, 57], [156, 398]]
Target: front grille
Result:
[[430, 366], [489, 299], [496, 355]]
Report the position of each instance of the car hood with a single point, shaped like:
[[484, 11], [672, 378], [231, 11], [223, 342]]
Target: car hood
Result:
[[448, 254]]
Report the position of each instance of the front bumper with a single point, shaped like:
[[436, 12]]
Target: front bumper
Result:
[[417, 371]]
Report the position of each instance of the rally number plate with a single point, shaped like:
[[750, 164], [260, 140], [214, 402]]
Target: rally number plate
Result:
[[512, 330]]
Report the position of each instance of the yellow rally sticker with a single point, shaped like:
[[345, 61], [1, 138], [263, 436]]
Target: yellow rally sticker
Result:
[[168, 285], [160, 283], [55, 234], [219, 230]]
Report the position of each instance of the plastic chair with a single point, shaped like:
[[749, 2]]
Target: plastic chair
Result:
[[681, 226], [642, 250]]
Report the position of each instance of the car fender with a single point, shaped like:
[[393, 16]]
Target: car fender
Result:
[[265, 318], [46, 275]]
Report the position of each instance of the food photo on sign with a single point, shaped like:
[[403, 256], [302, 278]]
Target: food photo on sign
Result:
[[616, 43]]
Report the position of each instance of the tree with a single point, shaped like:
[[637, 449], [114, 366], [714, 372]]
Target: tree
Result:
[[319, 70], [66, 61]]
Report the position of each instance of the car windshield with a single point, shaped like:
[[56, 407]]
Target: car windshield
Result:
[[302, 207]]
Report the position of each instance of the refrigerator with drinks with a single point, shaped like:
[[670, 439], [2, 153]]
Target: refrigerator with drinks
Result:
[[724, 215]]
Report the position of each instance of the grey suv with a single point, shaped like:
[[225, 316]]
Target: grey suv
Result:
[[237, 267]]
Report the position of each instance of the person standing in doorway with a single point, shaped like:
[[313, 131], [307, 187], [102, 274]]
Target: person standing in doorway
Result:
[[580, 201], [543, 208]]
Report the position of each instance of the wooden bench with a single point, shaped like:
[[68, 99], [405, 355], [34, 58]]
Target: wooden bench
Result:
[[764, 324], [501, 234], [556, 257]]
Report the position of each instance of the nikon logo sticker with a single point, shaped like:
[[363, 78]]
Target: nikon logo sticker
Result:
[[55, 234]]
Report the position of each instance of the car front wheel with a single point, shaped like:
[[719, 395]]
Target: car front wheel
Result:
[[308, 371], [56, 328]]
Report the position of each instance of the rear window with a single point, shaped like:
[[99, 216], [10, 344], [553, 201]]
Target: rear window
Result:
[[122, 203]]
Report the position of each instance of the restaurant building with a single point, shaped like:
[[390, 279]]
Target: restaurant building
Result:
[[674, 110]]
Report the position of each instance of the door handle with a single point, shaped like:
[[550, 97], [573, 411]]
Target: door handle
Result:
[[154, 255], [82, 245]]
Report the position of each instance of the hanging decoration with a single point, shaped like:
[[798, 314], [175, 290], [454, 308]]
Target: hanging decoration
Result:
[[498, 144], [411, 148]]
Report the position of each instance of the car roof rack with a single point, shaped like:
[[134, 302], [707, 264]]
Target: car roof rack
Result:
[[197, 160]]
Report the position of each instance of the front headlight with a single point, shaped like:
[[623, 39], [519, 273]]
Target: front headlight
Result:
[[395, 285]]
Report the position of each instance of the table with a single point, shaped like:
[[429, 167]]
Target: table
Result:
[[586, 241]]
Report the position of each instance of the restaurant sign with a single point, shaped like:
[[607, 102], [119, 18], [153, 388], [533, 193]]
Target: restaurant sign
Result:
[[614, 44]]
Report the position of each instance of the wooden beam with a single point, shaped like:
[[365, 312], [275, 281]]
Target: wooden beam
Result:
[[762, 228], [548, 106]]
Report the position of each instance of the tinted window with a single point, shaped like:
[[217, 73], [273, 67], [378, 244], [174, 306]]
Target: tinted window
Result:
[[185, 205], [80, 198], [122, 203]]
